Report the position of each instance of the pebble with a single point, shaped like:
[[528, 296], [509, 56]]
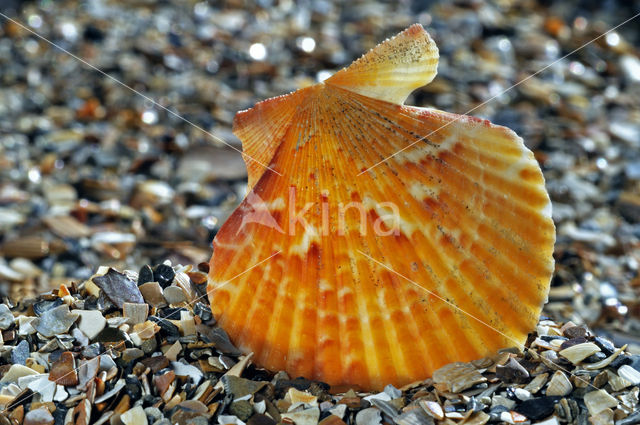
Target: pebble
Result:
[[174, 295], [163, 274], [6, 317], [20, 353], [152, 293], [91, 322]]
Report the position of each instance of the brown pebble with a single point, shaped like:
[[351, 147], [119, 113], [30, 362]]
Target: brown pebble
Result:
[[40, 416], [63, 371], [260, 419], [329, 420]]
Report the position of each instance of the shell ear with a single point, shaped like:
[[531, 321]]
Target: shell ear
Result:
[[393, 69], [261, 130]]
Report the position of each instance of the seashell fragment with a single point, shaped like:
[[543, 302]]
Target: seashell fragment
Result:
[[559, 385], [597, 401], [577, 353], [382, 241]]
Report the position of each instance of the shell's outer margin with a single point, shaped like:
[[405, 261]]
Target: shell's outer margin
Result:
[[464, 214]]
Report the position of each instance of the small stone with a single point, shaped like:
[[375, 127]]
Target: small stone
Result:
[[537, 408], [152, 293], [203, 311], [20, 353], [597, 401], [134, 416], [218, 337], [39, 416], [240, 387], [131, 354], [63, 371], [145, 275], [187, 411], [91, 322], [575, 332], [242, 409], [56, 321], [118, 288], [164, 275], [6, 317], [16, 371], [135, 313], [174, 295], [261, 419]]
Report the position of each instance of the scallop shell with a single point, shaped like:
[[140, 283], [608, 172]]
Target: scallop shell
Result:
[[349, 274]]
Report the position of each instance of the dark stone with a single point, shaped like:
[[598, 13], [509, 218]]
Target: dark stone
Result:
[[172, 313], [495, 412], [164, 275], [119, 288], [110, 334], [571, 342], [474, 405], [93, 34], [169, 329], [219, 337], [92, 350], [132, 387], [575, 332], [538, 408], [549, 338], [621, 360], [203, 311], [596, 357], [60, 414], [145, 275], [20, 353], [605, 345]]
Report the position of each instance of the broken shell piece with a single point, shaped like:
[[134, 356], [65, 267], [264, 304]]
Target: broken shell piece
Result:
[[135, 312], [559, 385], [55, 321], [468, 252], [433, 409], [63, 371], [295, 396], [303, 417], [458, 376], [597, 401], [577, 353]]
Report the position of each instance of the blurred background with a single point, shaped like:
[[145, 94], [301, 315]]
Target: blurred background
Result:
[[93, 173]]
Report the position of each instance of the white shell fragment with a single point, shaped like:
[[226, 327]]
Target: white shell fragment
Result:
[[578, 353]]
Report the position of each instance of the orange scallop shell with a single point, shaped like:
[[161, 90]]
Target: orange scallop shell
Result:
[[352, 275]]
